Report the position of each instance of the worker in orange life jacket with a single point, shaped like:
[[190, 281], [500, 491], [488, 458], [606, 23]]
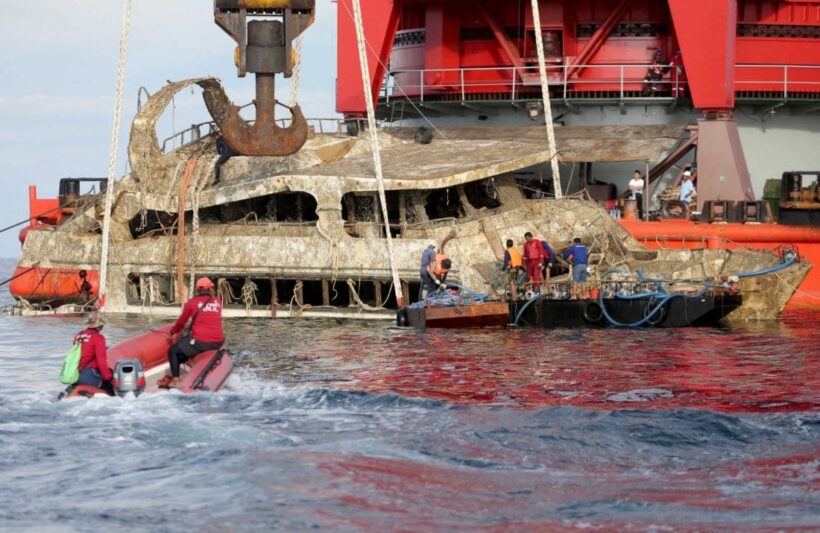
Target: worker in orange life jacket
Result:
[[514, 267], [437, 273]]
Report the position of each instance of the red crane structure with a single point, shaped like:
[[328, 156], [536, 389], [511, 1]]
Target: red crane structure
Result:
[[446, 56]]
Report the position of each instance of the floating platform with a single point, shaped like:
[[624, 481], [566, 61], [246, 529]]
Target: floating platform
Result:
[[476, 315], [682, 311]]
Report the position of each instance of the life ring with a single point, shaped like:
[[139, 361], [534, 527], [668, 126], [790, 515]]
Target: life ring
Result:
[[401, 318], [593, 313], [658, 316]]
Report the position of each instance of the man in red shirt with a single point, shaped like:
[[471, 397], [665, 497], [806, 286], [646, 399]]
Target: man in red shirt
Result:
[[93, 364], [205, 312], [534, 258]]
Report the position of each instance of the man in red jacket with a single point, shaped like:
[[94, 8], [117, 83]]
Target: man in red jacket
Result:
[[93, 364], [534, 258], [205, 312]]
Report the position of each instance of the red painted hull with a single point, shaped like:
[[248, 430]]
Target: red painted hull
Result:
[[684, 234], [208, 370], [55, 286]]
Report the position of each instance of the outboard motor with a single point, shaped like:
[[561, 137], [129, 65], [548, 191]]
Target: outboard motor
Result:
[[128, 377]]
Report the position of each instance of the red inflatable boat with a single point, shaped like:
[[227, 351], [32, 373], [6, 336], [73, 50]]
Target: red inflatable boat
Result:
[[206, 371]]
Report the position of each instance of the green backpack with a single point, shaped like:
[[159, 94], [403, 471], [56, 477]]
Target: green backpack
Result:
[[70, 373]]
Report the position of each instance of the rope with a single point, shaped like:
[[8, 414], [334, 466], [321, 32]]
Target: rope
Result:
[[226, 294], [198, 187], [183, 186], [352, 285], [297, 69], [545, 94], [249, 290], [115, 140], [374, 141], [300, 307]]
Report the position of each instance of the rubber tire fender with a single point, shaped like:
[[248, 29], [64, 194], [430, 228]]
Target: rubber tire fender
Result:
[[401, 318], [659, 315], [593, 312]]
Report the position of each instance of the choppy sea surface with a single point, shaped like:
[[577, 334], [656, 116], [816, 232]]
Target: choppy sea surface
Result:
[[347, 425]]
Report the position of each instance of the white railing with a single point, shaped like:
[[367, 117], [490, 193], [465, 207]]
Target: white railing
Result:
[[788, 78], [623, 79]]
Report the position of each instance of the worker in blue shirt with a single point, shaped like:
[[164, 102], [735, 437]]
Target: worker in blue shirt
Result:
[[578, 256], [550, 259], [426, 258]]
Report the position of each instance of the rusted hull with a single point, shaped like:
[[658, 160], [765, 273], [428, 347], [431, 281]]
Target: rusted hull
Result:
[[493, 314]]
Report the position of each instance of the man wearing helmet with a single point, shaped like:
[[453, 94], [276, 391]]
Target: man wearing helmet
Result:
[[656, 71], [205, 312]]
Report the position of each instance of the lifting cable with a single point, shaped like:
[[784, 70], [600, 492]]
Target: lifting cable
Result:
[[545, 94], [183, 187], [374, 141], [112, 158]]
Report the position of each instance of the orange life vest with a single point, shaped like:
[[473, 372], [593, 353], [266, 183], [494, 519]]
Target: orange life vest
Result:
[[515, 257], [440, 270]]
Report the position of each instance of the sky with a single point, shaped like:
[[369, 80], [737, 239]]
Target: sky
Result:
[[58, 71]]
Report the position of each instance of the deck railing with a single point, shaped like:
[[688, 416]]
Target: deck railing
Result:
[[622, 81]]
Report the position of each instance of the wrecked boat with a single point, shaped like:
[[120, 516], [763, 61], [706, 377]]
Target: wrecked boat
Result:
[[286, 215]]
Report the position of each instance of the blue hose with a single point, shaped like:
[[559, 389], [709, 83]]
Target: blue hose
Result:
[[787, 263]]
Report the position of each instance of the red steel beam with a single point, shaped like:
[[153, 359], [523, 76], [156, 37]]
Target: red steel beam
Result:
[[706, 34], [598, 38], [501, 36], [381, 21]]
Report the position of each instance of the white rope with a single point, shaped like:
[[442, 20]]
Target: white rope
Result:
[[249, 289], [297, 69], [112, 158], [374, 141], [545, 93]]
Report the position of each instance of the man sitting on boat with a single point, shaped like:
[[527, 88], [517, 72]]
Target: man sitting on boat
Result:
[[437, 274], [205, 312], [93, 364]]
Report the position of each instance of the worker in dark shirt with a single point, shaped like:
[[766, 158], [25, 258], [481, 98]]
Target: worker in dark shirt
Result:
[[578, 256], [93, 364], [427, 257], [205, 312], [549, 260]]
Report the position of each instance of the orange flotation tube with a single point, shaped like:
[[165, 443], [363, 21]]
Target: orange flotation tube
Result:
[[55, 286], [206, 371]]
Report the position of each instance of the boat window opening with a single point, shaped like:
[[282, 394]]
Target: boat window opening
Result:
[[312, 294], [444, 203], [149, 288], [291, 207], [363, 215], [482, 194], [533, 188], [286, 207], [150, 223]]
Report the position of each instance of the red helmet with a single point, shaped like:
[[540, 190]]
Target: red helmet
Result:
[[204, 284]]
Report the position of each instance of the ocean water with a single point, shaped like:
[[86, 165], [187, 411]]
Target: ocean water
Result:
[[346, 425]]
